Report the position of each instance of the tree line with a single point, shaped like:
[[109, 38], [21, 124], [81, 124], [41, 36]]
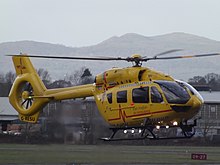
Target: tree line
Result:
[[210, 81], [79, 77]]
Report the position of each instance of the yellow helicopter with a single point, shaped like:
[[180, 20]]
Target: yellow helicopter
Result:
[[127, 98]]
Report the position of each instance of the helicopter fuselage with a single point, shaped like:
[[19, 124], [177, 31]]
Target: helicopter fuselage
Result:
[[136, 95], [127, 98], [133, 96]]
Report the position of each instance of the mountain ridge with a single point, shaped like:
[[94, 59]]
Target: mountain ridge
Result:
[[124, 45], [128, 38]]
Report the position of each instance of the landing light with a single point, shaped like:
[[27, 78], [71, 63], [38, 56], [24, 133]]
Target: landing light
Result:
[[132, 131], [175, 123]]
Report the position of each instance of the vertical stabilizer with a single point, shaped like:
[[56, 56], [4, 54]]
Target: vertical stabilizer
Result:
[[27, 92]]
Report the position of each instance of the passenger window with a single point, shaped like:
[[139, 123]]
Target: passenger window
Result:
[[109, 97], [156, 95], [122, 97], [140, 95]]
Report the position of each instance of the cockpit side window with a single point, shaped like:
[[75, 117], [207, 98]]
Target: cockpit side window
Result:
[[192, 90], [109, 97], [122, 97], [140, 95], [156, 96], [173, 92]]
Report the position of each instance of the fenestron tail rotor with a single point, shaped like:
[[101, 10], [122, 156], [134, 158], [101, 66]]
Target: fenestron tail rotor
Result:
[[26, 95]]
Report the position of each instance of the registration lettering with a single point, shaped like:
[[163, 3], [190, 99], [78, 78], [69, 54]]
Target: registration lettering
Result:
[[28, 118]]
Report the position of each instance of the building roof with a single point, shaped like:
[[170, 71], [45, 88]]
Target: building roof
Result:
[[213, 96], [5, 108]]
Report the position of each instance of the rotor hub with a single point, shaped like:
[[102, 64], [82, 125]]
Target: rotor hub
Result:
[[134, 56], [137, 59], [25, 95]]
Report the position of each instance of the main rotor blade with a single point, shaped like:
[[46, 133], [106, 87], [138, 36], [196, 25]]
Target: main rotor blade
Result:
[[168, 52], [73, 58], [128, 59], [162, 53], [188, 56]]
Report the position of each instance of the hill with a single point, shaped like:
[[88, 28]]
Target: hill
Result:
[[124, 46]]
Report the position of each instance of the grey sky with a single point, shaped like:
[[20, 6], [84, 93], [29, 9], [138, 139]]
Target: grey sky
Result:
[[88, 22]]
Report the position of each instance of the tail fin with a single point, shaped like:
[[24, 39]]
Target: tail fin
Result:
[[27, 92]]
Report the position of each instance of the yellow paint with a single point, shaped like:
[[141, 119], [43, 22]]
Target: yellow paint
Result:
[[109, 82]]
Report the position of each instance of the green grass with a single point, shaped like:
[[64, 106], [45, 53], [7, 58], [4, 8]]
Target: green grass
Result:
[[50, 154]]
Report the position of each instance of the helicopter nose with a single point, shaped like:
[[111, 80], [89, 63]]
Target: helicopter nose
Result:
[[197, 104], [194, 104]]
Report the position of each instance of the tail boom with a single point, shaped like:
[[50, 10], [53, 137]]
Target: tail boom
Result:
[[81, 91]]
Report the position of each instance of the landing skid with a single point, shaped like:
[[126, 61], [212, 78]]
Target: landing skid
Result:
[[147, 132]]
